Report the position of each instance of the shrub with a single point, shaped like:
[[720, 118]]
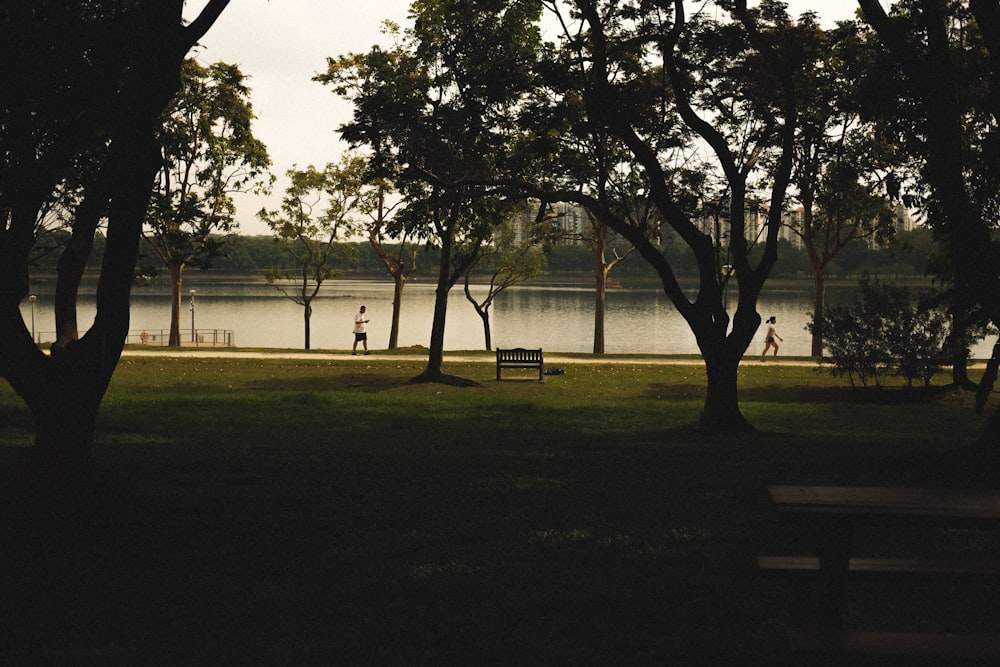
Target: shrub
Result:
[[916, 342], [886, 330]]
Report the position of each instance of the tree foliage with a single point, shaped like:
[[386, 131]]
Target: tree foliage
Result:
[[439, 107], [508, 262], [82, 91], [699, 105], [208, 152], [940, 69], [842, 166], [318, 207]]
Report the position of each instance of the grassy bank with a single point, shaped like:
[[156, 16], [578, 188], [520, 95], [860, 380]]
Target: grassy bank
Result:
[[328, 512]]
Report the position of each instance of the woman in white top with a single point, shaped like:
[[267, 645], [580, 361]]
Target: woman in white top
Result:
[[770, 340]]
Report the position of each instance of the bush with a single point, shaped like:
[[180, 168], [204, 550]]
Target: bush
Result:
[[886, 330], [917, 344]]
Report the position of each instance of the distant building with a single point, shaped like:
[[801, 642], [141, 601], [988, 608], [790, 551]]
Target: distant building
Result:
[[791, 223], [573, 221], [905, 221], [715, 221], [570, 218]]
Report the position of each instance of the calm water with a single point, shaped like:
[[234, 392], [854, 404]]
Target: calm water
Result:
[[639, 320]]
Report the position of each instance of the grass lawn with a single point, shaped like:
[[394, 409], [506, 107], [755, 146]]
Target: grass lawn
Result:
[[260, 511]]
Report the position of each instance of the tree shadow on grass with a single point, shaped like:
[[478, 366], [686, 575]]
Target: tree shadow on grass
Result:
[[669, 391], [368, 382], [856, 395], [809, 394]]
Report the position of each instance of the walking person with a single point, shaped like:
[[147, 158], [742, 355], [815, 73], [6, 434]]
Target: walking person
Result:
[[770, 340], [360, 331]]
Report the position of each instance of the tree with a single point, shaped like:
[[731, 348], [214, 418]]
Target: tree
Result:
[[461, 223], [360, 78], [395, 261], [596, 237], [839, 158], [948, 57], [308, 232], [727, 86], [82, 93], [440, 104], [511, 262], [208, 152], [563, 148]]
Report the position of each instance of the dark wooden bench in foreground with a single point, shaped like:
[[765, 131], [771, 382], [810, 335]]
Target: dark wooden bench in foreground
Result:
[[830, 516], [520, 357]]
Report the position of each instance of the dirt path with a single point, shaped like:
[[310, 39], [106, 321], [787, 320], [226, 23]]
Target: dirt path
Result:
[[459, 357]]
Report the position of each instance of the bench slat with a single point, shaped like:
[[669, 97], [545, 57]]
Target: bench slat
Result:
[[898, 644], [919, 568]]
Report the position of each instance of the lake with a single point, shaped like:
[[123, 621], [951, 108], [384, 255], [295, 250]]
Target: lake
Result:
[[557, 317]]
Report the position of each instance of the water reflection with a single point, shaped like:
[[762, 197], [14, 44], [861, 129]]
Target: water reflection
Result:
[[557, 318]]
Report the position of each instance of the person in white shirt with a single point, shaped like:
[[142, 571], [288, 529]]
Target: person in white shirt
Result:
[[360, 331]]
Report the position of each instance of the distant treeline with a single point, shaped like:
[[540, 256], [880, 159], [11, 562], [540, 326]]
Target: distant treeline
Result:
[[905, 257]]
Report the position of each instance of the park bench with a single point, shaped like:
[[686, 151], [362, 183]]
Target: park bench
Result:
[[520, 357], [830, 517]]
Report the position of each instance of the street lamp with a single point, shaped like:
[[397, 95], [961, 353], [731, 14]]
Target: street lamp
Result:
[[32, 298], [193, 339]]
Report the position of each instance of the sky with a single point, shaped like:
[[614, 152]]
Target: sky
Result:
[[281, 44]]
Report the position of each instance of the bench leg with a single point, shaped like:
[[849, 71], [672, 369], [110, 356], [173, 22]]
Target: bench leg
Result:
[[835, 540]]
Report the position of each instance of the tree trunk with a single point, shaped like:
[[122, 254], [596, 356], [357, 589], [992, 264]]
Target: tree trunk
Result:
[[989, 438], [960, 370], [399, 282], [64, 389], [956, 346], [722, 413], [482, 310], [600, 289], [79, 371], [435, 356], [819, 302], [484, 315], [307, 317], [176, 285], [73, 260], [64, 436], [67, 392]]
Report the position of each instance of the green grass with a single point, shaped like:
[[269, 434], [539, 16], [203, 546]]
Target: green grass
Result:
[[330, 512]]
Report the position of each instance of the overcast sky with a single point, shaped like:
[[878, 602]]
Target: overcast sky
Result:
[[281, 44]]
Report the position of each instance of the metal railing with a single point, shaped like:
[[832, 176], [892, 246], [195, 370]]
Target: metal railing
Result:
[[161, 337], [189, 338]]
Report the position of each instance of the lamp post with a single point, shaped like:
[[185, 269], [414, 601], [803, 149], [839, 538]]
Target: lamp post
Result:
[[193, 339], [32, 298]]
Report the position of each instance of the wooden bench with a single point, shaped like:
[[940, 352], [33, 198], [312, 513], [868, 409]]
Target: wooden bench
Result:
[[830, 516], [520, 357]]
